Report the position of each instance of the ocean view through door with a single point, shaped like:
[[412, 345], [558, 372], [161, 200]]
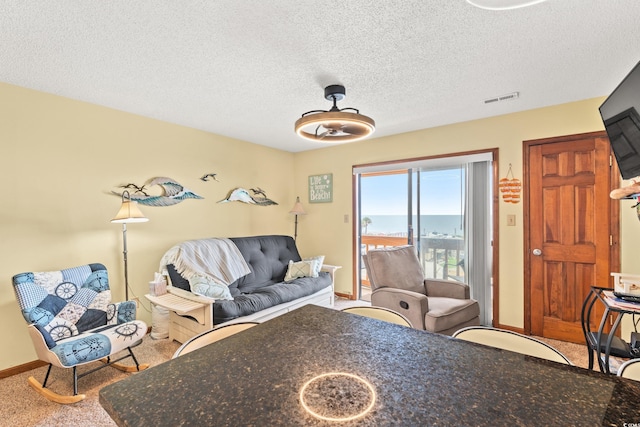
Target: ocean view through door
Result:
[[418, 207], [430, 205]]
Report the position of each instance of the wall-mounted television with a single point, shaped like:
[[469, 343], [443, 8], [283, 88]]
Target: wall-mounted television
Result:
[[619, 113]]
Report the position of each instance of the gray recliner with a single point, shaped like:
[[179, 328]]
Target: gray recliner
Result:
[[398, 283]]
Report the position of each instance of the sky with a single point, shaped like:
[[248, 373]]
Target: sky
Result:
[[387, 194]]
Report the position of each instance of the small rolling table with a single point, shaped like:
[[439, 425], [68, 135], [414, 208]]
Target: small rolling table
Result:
[[610, 344]]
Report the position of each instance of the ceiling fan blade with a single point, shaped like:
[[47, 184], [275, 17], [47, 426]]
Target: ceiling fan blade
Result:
[[353, 130], [323, 134], [334, 126]]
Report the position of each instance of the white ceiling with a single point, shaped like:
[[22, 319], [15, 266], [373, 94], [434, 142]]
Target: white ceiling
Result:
[[248, 69]]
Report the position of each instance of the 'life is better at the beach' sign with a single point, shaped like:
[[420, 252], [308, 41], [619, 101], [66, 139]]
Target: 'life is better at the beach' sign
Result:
[[321, 188]]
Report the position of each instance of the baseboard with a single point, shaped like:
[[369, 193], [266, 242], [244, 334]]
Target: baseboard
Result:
[[346, 296], [22, 368]]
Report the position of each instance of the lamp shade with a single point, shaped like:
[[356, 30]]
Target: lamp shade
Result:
[[129, 211], [297, 208]]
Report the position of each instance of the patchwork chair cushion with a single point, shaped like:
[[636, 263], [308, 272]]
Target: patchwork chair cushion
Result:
[[99, 343]]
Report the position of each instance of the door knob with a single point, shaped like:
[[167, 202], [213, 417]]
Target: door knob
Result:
[[537, 252]]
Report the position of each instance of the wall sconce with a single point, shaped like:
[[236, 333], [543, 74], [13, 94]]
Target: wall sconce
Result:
[[128, 212], [297, 210]]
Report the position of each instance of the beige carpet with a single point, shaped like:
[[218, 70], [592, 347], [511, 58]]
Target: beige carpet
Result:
[[21, 406]]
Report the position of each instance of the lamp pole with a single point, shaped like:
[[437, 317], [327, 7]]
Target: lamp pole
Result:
[[128, 212], [126, 264], [297, 209]]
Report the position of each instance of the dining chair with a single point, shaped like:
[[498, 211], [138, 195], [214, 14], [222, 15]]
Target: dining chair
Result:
[[72, 322], [512, 341], [630, 369], [379, 313], [212, 336]]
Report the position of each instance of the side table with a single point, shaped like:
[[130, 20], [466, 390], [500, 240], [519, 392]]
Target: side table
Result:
[[180, 327], [604, 344]]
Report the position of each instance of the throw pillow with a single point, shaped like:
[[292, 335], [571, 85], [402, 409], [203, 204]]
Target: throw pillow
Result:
[[206, 286], [299, 269], [318, 266]]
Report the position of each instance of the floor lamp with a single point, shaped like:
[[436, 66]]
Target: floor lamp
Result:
[[297, 210], [128, 212]]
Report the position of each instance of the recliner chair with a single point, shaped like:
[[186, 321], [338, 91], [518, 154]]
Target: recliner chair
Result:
[[73, 322], [398, 283]]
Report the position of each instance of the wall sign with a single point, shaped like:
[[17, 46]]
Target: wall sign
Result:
[[321, 188]]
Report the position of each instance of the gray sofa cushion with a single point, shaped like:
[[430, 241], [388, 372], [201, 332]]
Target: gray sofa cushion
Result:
[[268, 296], [268, 258]]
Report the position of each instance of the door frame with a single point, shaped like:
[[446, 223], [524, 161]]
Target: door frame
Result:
[[614, 213]]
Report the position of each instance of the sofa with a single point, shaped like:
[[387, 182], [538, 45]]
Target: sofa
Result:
[[261, 294]]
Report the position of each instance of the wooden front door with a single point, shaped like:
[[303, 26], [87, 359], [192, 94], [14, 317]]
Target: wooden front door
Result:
[[571, 230]]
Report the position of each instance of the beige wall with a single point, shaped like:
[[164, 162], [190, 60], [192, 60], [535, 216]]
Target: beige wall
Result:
[[61, 158], [323, 227]]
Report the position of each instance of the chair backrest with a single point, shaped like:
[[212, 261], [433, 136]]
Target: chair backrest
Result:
[[512, 341], [379, 313], [395, 267], [64, 303], [630, 369], [211, 336]]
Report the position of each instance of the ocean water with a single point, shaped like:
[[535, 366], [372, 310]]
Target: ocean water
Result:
[[451, 225]]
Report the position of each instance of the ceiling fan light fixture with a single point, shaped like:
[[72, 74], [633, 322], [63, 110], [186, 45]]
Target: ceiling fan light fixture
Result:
[[503, 4], [360, 126], [334, 125]]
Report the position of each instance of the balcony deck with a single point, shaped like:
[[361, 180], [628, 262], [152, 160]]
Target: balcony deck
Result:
[[442, 257]]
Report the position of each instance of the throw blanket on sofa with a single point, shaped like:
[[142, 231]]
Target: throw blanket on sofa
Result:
[[218, 259]]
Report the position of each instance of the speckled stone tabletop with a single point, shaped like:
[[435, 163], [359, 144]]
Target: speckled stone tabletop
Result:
[[254, 378]]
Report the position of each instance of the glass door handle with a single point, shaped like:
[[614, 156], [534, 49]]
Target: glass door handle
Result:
[[537, 252]]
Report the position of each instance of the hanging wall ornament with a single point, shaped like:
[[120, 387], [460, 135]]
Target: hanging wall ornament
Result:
[[510, 187], [170, 191], [505, 189], [259, 197]]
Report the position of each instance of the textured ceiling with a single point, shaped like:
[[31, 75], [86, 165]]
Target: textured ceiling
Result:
[[249, 69]]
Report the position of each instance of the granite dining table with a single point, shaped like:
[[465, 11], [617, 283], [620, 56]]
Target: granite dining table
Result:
[[317, 366]]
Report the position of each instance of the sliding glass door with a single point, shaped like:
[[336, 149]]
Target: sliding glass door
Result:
[[440, 215], [443, 207], [384, 218]]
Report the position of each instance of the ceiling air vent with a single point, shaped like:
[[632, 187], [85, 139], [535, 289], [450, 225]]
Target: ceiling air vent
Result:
[[507, 97]]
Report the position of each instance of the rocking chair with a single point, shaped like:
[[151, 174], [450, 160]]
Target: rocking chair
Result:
[[72, 322]]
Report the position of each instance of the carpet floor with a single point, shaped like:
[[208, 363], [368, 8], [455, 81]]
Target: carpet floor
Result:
[[21, 406]]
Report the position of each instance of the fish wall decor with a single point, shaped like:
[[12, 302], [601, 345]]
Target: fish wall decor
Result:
[[259, 197], [171, 192]]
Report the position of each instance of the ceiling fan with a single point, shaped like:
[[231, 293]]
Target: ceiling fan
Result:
[[335, 124]]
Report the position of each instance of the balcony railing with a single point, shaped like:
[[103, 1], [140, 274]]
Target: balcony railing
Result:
[[441, 257]]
